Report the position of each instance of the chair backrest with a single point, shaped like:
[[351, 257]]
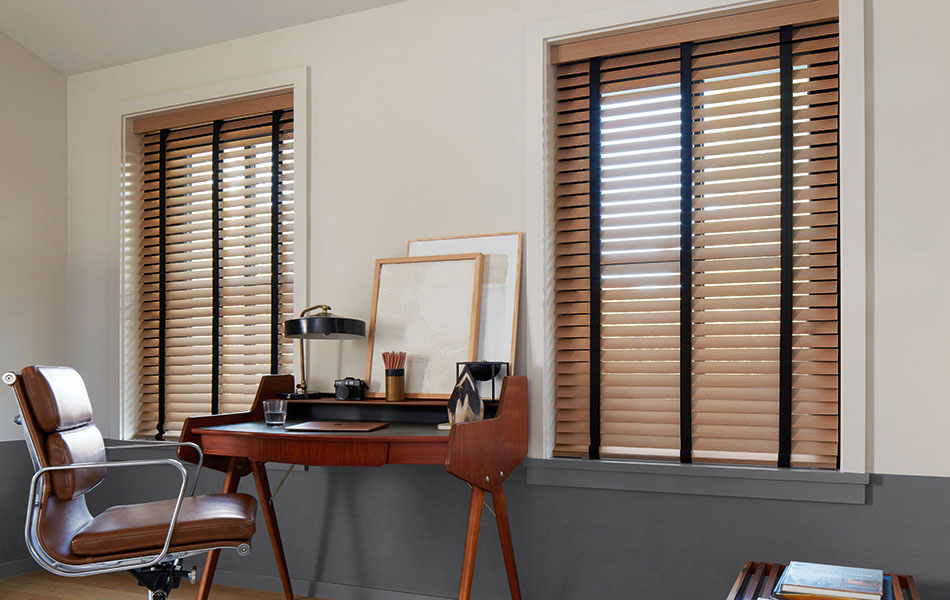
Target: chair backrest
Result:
[[56, 407]]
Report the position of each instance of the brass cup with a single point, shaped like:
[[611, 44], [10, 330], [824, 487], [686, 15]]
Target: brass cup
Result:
[[395, 385]]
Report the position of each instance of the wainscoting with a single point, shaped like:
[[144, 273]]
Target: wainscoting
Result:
[[396, 533]]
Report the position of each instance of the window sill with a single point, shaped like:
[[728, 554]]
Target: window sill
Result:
[[805, 485]]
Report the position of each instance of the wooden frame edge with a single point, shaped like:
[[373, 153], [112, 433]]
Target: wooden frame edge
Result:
[[514, 322], [462, 237], [518, 278], [479, 259], [215, 109], [659, 35]]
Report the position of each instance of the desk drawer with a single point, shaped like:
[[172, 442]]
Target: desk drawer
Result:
[[302, 451]]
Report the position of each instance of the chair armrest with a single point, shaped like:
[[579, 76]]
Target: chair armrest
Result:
[[164, 444], [35, 499]]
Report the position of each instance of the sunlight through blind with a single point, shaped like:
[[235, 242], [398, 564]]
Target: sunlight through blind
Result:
[[216, 264], [715, 332]]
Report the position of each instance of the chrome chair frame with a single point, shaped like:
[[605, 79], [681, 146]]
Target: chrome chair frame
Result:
[[37, 491], [163, 444], [69, 570]]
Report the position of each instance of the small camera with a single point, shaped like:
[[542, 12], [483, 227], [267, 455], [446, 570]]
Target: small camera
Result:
[[349, 388]]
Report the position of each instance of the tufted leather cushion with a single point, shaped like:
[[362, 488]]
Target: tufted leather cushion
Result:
[[224, 517], [58, 398], [80, 445]]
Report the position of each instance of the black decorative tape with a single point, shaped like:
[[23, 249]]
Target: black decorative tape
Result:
[[686, 252], [787, 274], [216, 266], [275, 244], [595, 284], [162, 198]]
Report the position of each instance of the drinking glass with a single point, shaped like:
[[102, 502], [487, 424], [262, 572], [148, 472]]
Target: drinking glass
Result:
[[275, 412]]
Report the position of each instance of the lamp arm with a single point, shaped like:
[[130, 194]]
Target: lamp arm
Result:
[[324, 307], [302, 386], [324, 326]]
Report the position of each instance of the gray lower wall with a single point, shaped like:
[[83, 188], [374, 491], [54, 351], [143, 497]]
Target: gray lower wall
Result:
[[397, 532], [17, 468]]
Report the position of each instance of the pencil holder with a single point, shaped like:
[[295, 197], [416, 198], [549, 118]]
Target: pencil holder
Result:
[[395, 385]]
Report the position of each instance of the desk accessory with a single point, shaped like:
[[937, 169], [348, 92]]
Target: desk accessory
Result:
[[323, 326], [465, 404], [336, 426], [501, 285], [349, 388], [429, 307], [484, 370], [395, 363], [275, 412], [395, 385]]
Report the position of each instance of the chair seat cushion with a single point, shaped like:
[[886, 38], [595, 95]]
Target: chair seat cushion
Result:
[[208, 518]]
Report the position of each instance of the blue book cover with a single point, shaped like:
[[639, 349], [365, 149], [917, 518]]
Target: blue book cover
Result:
[[814, 580]]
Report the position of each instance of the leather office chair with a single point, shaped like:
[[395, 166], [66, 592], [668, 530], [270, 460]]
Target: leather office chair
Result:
[[148, 539]]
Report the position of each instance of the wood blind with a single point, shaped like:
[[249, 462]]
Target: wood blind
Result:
[[216, 265], [709, 239]]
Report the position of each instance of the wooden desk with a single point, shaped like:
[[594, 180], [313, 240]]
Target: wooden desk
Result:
[[757, 580], [395, 444], [483, 454]]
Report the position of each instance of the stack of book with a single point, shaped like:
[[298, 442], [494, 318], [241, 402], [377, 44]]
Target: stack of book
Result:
[[808, 581]]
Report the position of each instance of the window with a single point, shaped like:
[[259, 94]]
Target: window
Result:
[[706, 244], [215, 264]]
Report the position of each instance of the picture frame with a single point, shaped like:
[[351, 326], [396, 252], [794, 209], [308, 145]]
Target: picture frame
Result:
[[503, 252], [428, 307]]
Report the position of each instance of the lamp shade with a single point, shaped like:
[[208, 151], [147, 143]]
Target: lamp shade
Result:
[[324, 327]]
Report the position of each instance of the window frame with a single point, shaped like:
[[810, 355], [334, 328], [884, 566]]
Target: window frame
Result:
[[222, 152], [540, 218], [124, 156]]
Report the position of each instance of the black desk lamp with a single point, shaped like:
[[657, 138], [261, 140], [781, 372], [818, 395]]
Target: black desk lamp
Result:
[[324, 326]]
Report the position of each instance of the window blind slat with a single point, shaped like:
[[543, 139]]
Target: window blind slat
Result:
[[243, 267], [736, 254]]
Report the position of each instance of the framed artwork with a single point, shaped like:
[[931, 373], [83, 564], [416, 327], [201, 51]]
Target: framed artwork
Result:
[[428, 307], [501, 289]]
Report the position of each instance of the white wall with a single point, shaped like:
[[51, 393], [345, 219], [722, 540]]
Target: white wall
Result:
[[417, 129], [908, 200], [32, 217]]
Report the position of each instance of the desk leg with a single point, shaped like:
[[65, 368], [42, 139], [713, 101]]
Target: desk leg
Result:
[[231, 479], [270, 517], [507, 548], [471, 542]]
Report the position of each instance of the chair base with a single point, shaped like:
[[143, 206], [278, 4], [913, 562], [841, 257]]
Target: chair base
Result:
[[164, 577]]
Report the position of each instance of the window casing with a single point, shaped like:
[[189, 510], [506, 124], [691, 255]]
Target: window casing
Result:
[[710, 241], [215, 264]]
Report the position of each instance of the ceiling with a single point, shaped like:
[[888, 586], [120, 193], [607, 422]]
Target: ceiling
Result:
[[75, 36]]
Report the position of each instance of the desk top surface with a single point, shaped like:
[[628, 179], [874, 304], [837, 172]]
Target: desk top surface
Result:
[[416, 431]]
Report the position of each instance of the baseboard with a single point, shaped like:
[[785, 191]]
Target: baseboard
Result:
[[307, 587], [18, 567]]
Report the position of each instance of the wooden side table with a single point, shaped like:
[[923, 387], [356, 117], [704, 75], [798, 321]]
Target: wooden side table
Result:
[[757, 580]]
